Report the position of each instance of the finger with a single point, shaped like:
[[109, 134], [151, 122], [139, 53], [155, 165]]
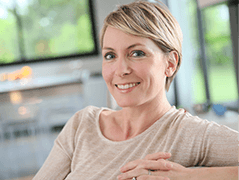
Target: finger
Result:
[[156, 165], [160, 164], [133, 173], [154, 156], [141, 174], [130, 165], [158, 155], [152, 177]]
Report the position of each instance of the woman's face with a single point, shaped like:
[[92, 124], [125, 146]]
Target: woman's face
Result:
[[133, 68]]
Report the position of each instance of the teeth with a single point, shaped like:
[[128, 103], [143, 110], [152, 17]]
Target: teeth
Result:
[[127, 86]]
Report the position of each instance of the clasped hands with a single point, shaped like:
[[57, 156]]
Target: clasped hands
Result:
[[153, 167]]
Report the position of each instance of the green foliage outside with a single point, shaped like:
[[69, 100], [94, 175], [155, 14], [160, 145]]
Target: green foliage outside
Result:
[[8, 48], [217, 34], [222, 85], [50, 28], [221, 72], [85, 42]]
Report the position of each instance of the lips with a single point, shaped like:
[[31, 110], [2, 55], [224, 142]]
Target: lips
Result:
[[127, 86]]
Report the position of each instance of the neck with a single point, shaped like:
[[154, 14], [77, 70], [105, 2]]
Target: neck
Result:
[[135, 120]]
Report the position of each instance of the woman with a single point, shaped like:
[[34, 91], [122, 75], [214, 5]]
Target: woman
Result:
[[147, 138]]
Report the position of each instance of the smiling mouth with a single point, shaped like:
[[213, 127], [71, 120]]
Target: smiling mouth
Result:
[[127, 86]]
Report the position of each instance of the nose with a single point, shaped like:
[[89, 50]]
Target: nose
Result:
[[122, 67]]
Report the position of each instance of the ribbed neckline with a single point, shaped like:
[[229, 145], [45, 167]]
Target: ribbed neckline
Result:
[[138, 137]]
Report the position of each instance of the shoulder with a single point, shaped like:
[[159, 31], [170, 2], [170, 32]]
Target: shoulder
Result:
[[210, 143], [82, 120], [88, 115], [183, 118], [89, 111], [188, 123]]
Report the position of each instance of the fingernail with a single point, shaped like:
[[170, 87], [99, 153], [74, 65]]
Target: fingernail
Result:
[[122, 170], [119, 177], [168, 165], [168, 154]]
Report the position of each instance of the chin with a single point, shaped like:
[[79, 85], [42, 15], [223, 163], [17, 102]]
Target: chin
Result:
[[127, 103]]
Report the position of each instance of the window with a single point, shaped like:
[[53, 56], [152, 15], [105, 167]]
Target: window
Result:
[[219, 58], [37, 30]]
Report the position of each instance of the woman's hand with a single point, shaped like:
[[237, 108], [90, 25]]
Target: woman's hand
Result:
[[156, 167], [147, 168]]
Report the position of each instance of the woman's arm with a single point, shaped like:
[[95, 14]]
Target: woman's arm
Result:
[[179, 172], [56, 166], [215, 173], [204, 173], [58, 163], [182, 173]]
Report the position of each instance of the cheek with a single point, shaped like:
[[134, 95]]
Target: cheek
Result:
[[107, 73], [157, 75]]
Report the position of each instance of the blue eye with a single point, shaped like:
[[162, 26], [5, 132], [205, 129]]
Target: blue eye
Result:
[[109, 56], [137, 53]]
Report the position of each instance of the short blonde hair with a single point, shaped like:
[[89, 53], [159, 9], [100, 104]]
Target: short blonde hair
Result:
[[149, 20]]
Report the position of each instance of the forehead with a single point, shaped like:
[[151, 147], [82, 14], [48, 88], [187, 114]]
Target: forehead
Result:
[[114, 37]]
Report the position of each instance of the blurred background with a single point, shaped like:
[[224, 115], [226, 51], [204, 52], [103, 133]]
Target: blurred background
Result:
[[50, 67]]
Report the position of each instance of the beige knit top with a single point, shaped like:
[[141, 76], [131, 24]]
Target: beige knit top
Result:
[[81, 151]]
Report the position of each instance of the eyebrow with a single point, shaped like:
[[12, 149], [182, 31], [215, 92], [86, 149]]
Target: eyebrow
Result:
[[131, 46]]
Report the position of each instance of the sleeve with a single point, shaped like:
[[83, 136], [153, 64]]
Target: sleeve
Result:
[[58, 163], [219, 146]]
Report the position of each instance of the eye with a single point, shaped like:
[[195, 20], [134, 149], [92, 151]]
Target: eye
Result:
[[137, 53], [109, 56]]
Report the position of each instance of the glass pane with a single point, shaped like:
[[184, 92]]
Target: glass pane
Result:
[[221, 71], [36, 29], [198, 86], [9, 51]]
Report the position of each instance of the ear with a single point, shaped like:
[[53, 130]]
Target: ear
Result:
[[172, 63]]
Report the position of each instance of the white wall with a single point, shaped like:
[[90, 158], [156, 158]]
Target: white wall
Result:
[[185, 73]]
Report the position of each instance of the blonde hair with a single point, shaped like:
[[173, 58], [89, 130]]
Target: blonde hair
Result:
[[149, 20]]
